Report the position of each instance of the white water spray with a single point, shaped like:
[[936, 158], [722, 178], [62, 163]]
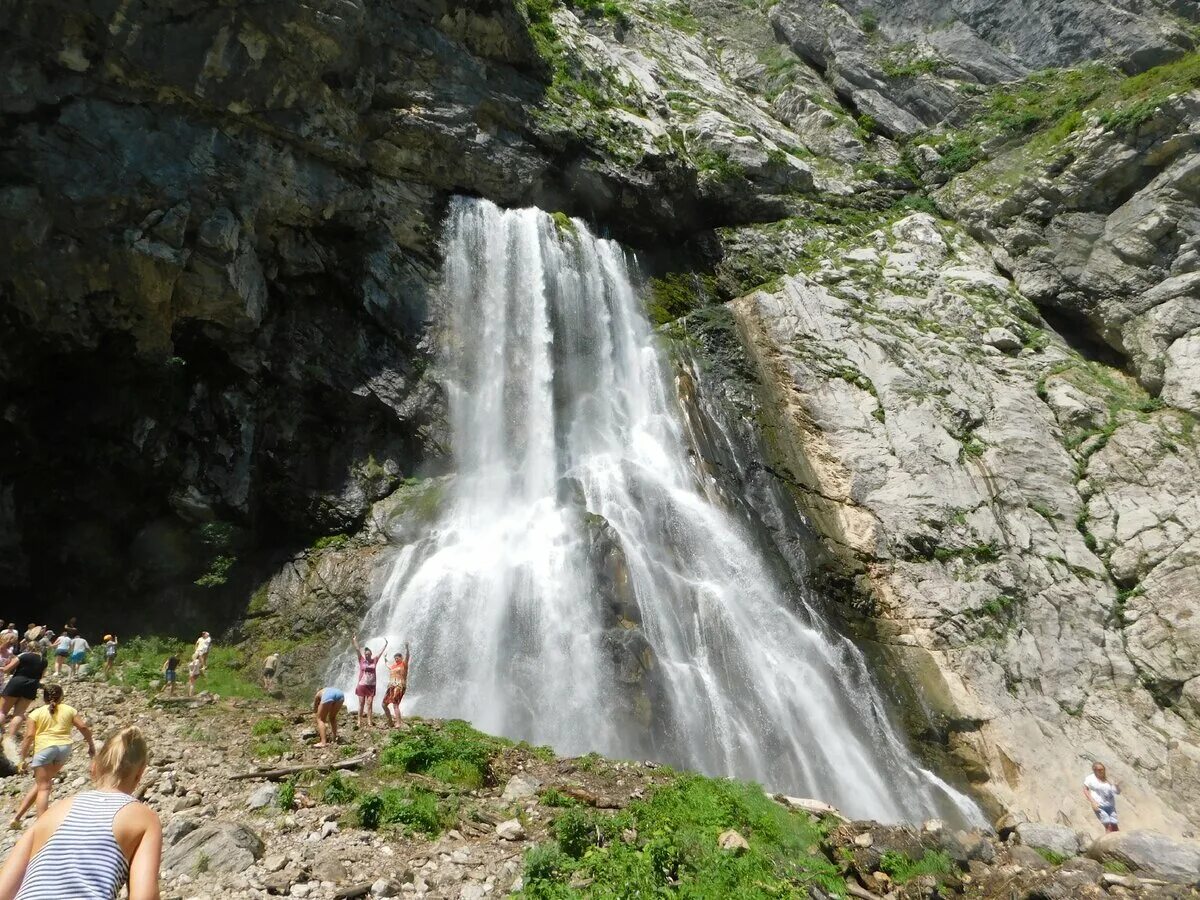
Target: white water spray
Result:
[[580, 586]]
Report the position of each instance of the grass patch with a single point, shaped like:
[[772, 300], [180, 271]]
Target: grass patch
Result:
[[674, 295], [268, 726], [455, 753], [414, 808], [338, 790], [675, 852], [140, 661], [902, 869], [1050, 856], [552, 796], [331, 542]]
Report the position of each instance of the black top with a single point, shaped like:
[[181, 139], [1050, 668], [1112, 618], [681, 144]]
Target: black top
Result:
[[172, 663], [31, 666]]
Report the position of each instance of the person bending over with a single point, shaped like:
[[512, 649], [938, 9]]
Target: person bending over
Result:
[[326, 706], [89, 845]]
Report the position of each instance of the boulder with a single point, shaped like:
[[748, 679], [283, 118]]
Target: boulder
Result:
[[1058, 839], [224, 848], [520, 787], [732, 841], [1150, 853], [512, 830], [263, 797]]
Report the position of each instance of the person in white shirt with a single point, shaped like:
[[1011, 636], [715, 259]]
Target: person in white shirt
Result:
[[1102, 795], [203, 645], [62, 650], [79, 652]]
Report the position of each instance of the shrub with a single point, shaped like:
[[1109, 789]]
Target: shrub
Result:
[[545, 862], [554, 797], [287, 794], [337, 790], [415, 808], [869, 21], [575, 832], [456, 749]]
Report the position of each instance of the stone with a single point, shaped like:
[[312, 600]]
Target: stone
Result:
[[176, 829], [520, 787], [1002, 339], [732, 841], [1150, 853], [223, 848], [1029, 858], [511, 830], [384, 887], [1058, 839], [263, 797]]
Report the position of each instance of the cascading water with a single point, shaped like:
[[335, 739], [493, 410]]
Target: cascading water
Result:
[[581, 587]]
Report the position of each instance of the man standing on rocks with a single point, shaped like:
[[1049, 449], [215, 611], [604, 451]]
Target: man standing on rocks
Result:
[[1102, 795], [270, 664]]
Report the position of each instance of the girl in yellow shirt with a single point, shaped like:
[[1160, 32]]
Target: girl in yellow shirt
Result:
[[48, 738]]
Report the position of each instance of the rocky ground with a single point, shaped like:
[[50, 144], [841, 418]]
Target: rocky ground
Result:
[[307, 836]]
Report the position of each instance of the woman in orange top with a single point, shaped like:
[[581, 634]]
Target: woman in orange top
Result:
[[397, 684]]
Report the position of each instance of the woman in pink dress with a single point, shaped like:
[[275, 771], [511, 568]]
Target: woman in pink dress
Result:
[[367, 676]]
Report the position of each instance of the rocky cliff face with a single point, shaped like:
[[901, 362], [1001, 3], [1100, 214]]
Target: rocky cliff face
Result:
[[966, 292]]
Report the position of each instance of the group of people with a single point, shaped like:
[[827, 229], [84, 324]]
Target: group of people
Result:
[[328, 701], [197, 665], [68, 648]]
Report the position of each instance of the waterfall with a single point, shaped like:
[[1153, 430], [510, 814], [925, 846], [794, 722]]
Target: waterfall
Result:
[[581, 586]]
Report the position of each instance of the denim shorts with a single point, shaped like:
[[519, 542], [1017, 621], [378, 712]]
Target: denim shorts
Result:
[[51, 756]]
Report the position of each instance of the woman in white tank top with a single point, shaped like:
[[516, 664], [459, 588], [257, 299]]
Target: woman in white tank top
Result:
[[89, 845]]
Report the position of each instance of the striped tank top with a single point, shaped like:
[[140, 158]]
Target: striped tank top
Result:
[[82, 859]]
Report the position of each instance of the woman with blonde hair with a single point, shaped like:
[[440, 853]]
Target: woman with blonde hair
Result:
[[48, 738], [87, 846]]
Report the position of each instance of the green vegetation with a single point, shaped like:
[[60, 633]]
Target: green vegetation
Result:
[[455, 753], [906, 62], [563, 223], [331, 542], [552, 796], [1139, 96], [1050, 856], [140, 661], [720, 165], [1115, 866], [338, 790], [602, 9], [414, 808], [902, 869], [268, 726], [676, 294], [675, 850], [676, 14], [979, 553], [287, 794], [869, 20]]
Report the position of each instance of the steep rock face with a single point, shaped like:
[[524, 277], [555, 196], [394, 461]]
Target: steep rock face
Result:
[[1104, 229], [954, 478], [903, 62]]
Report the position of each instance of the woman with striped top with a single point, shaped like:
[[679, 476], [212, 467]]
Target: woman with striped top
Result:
[[85, 847]]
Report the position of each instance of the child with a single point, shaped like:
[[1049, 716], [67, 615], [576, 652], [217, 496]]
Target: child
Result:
[[168, 672], [193, 673], [79, 651], [110, 653]]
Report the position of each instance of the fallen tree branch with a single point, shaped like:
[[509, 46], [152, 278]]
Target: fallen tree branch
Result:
[[285, 771]]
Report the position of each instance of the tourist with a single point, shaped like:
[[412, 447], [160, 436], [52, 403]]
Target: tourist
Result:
[[365, 690], [270, 665], [397, 683], [1102, 795], [48, 739], [8, 650], [11, 634], [90, 844], [169, 674], [194, 667], [69, 629], [25, 677], [45, 641], [62, 651], [79, 652], [110, 653], [203, 645], [326, 705]]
